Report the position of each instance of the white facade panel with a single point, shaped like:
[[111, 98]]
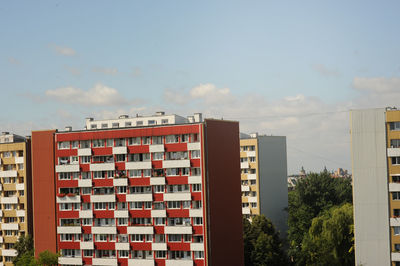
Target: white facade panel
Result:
[[146, 262], [120, 150], [178, 230], [196, 213], [244, 165], [102, 167], [20, 186], [179, 262], [394, 221], [9, 200], [85, 214], [158, 213], [245, 210], [137, 165], [117, 182], [9, 226], [70, 261], [194, 146], [87, 245], [393, 187], [105, 261], [121, 214], [1, 215], [251, 154], [157, 181], [159, 246], [1, 240], [122, 246], [177, 196], [393, 152], [252, 176], [104, 230], [252, 199], [139, 197], [147, 230], [64, 168], [69, 230], [9, 252], [197, 246], [102, 198], [194, 179], [85, 183], [20, 213], [245, 188], [8, 173], [68, 199], [156, 148], [85, 152], [395, 256], [19, 160], [176, 164]]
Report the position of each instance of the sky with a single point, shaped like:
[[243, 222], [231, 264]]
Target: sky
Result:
[[291, 68]]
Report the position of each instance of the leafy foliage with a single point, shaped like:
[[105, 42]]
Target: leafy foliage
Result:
[[26, 257], [261, 243], [24, 247], [313, 195], [48, 258]]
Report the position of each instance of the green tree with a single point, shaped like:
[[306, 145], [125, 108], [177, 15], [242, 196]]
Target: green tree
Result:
[[24, 247], [330, 238], [48, 258], [262, 245], [312, 195]]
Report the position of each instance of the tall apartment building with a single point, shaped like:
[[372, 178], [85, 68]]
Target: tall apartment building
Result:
[[264, 178], [375, 149], [158, 190], [15, 208]]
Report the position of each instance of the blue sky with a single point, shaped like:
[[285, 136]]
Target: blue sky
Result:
[[279, 67]]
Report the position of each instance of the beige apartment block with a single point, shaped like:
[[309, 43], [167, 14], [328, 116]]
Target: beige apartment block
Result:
[[264, 178], [14, 184]]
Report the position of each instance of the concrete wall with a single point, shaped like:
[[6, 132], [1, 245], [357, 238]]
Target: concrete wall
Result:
[[370, 187], [273, 180]]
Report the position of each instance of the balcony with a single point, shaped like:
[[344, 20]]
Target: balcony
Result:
[[156, 148], [252, 199], [73, 229], [194, 179], [9, 252], [67, 168], [85, 214], [194, 146], [159, 246], [178, 229], [244, 165], [180, 262], [393, 152], [157, 181], [105, 261], [196, 213], [102, 198], [146, 230], [122, 246], [252, 177], [141, 262], [102, 167], [245, 188], [177, 196], [19, 160], [20, 213], [8, 173], [85, 152], [137, 165], [104, 230], [176, 163], [139, 197], [395, 256], [69, 198], [20, 186], [197, 246], [246, 210], [9, 226], [120, 182], [9, 200], [121, 214], [120, 150], [70, 261], [87, 245], [158, 213], [393, 187]]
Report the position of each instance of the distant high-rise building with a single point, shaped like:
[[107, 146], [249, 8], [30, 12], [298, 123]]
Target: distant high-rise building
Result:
[[156, 190], [15, 197], [264, 178], [375, 150]]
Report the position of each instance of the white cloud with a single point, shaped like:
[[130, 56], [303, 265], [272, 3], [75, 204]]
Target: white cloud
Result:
[[325, 71], [106, 71], [99, 95], [377, 84], [63, 50], [210, 93]]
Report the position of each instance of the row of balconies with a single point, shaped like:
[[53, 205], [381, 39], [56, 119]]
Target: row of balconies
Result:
[[88, 245], [12, 200], [12, 213], [131, 262], [12, 160], [149, 230]]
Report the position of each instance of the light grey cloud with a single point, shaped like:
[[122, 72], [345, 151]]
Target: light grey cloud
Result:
[[377, 84], [99, 95], [14, 61], [105, 70], [63, 50], [73, 70], [325, 71], [136, 72]]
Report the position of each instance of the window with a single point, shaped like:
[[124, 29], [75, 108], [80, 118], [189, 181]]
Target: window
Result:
[[120, 157], [164, 121], [123, 253], [396, 195], [104, 125], [395, 160], [99, 174], [158, 140], [110, 142], [93, 126], [158, 156], [159, 221], [128, 124], [196, 187], [196, 204], [86, 206], [186, 204], [174, 204], [396, 212], [147, 172], [121, 190], [122, 221], [137, 205], [146, 140], [147, 205], [139, 123], [159, 206], [396, 179], [195, 154], [394, 125], [120, 143], [172, 139], [252, 159], [159, 189], [63, 145], [66, 237], [254, 204], [395, 143], [122, 206], [174, 238], [100, 205], [85, 159], [85, 175], [115, 125], [161, 254], [199, 254], [75, 144], [98, 143], [396, 230], [397, 247], [194, 137], [135, 173], [196, 171], [88, 253], [152, 122], [197, 220]]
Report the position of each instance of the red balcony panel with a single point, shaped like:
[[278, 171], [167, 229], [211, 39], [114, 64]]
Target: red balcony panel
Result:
[[159, 230], [85, 198], [67, 214], [104, 245], [145, 181], [160, 262], [196, 196], [177, 180], [138, 149], [158, 197], [156, 164], [103, 214], [122, 229], [120, 166], [178, 213], [103, 182], [69, 245], [199, 262], [85, 167], [140, 213], [178, 246], [87, 261], [86, 229], [195, 163], [102, 151], [67, 183], [121, 197], [123, 261], [197, 230], [141, 245], [66, 153], [175, 147]]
